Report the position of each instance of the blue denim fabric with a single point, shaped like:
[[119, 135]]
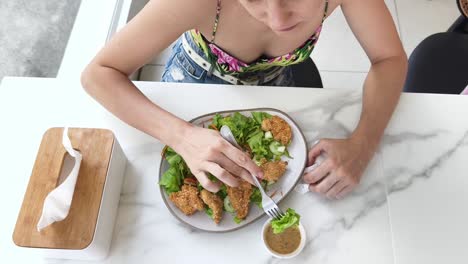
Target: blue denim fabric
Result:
[[181, 68]]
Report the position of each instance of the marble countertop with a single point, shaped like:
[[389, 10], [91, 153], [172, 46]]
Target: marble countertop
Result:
[[409, 207]]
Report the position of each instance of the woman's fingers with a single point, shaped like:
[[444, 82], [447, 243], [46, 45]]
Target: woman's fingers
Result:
[[318, 173], [242, 159], [207, 183], [233, 168], [207, 153], [325, 185], [220, 173], [336, 189], [344, 192], [317, 148]]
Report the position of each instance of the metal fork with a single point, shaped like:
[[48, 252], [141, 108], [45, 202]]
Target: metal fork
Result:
[[268, 205]]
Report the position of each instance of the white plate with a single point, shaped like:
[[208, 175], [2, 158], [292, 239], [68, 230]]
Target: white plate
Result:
[[295, 168]]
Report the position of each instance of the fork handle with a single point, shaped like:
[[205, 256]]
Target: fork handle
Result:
[[226, 133], [259, 185]]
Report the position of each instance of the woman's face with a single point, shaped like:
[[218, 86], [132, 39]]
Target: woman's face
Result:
[[281, 16]]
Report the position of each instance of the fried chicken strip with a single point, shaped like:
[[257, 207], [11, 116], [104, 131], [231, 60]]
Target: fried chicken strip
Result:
[[279, 128], [187, 200], [273, 170], [240, 198], [215, 203]]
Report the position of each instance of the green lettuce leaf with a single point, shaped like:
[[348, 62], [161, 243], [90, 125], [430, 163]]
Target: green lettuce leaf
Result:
[[171, 180], [209, 212], [286, 153], [255, 138], [259, 145], [237, 220], [172, 157], [256, 197], [241, 126], [291, 218], [222, 193], [259, 116]]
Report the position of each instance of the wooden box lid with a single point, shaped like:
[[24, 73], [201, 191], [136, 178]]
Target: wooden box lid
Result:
[[76, 231]]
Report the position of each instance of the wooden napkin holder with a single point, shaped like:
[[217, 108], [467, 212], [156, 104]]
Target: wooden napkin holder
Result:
[[86, 232]]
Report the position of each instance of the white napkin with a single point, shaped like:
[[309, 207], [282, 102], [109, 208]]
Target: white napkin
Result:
[[304, 187], [58, 201]]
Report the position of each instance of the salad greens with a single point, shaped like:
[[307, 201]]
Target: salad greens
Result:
[[256, 197], [209, 212], [237, 220], [228, 206], [173, 178], [291, 218], [249, 134]]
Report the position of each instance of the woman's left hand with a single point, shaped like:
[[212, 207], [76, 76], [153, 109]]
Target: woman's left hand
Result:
[[341, 170]]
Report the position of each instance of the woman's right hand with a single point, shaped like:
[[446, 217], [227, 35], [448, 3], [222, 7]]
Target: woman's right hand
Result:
[[206, 151]]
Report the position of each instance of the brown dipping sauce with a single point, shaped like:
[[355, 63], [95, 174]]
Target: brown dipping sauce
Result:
[[283, 243]]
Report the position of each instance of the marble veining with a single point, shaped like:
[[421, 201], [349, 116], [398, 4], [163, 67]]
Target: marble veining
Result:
[[408, 136], [141, 208], [336, 217], [401, 178], [144, 223]]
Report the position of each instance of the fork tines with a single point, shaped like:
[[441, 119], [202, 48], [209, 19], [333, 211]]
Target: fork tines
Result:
[[275, 213]]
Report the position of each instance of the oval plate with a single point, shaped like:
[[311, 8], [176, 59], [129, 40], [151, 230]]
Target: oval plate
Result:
[[279, 190]]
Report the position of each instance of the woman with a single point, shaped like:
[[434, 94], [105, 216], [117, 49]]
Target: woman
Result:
[[248, 42]]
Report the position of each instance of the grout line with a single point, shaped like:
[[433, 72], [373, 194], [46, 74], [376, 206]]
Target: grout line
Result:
[[151, 64], [390, 223], [343, 71], [398, 21], [116, 15]]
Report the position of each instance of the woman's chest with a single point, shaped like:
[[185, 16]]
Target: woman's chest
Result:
[[248, 39]]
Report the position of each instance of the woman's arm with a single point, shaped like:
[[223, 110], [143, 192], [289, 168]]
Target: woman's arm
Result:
[[106, 77], [159, 24], [373, 26], [347, 159]]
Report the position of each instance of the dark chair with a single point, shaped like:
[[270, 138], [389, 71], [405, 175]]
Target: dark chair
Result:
[[306, 74], [439, 64]]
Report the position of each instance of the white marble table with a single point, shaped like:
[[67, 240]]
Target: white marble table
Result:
[[410, 207]]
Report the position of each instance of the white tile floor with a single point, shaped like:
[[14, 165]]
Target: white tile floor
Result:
[[338, 49], [421, 18], [340, 59], [151, 72]]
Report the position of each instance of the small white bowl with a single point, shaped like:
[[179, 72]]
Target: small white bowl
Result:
[[285, 256]]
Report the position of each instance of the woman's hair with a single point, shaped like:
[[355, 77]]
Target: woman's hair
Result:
[[463, 6]]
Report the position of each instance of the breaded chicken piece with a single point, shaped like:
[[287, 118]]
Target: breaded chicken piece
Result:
[[215, 203], [279, 128], [240, 198], [273, 170], [187, 200]]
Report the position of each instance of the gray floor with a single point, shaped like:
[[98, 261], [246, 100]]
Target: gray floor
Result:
[[33, 35]]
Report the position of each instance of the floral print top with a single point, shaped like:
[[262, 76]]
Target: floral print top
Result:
[[229, 65]]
